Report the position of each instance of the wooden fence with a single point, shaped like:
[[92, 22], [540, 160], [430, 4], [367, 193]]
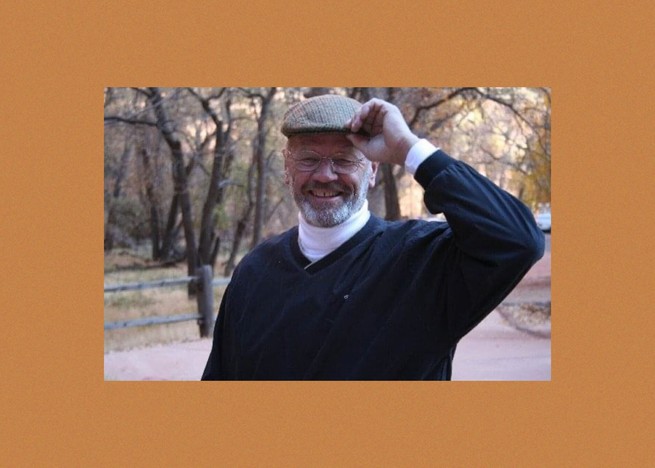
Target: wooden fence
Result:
[[204, 296]]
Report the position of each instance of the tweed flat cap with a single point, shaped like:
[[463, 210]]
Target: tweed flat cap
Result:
[[320, 114]]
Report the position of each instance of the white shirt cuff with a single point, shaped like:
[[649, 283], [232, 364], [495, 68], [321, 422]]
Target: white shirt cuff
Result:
[[418, 153]]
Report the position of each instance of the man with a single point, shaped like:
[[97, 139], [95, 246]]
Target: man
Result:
[[346, 295]]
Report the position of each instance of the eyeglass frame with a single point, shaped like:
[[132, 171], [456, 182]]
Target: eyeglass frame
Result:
[[357, 164]]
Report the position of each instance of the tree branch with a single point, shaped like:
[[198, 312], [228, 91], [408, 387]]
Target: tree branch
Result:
[[117, 118], [420, 109]]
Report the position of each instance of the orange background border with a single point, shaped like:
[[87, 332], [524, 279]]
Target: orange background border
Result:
[[56, 60]]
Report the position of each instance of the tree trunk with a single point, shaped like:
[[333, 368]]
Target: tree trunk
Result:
[[172, 227], [209, 242], [207, 234], [240, 230], [170, 232], [206, 244], [116, 193], [152, 201], [260, 164], [391, 203], [238, 237], [179, 177]]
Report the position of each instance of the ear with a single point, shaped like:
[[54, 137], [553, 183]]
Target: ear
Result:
[[374, 171]]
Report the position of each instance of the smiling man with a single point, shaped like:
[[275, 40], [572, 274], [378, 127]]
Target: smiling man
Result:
[[328, 190], [346, 295]]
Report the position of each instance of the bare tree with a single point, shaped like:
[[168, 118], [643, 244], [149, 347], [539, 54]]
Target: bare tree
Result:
[[167, 128], [260, 163], [153, 204], [114, 196], [209, 241], [244, 219]]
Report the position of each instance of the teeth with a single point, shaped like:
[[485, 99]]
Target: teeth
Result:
[[324, 194]]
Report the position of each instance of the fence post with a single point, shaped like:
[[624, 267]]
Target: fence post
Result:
[[205, 298]]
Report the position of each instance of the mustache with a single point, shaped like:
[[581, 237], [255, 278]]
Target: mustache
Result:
[[330, 186]]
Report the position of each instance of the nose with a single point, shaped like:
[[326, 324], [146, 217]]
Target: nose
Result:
[[325, 172]]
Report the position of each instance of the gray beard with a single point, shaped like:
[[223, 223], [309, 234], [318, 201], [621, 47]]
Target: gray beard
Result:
[[336, 216]]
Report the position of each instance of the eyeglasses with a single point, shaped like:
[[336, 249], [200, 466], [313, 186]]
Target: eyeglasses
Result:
[[341, 163]]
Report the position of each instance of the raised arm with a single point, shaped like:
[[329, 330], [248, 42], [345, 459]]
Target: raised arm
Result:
[[494, 237]]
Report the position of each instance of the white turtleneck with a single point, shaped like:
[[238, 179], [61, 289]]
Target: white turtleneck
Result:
[[316, 242]]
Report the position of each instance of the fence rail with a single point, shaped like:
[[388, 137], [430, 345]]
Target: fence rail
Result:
[[204, 284], [161, 284], [150, 284], [145, 321]]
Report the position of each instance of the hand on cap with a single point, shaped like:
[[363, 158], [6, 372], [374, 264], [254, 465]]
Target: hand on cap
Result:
[[390, 139]]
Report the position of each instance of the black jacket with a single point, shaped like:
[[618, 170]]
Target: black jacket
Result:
[[390, 303]]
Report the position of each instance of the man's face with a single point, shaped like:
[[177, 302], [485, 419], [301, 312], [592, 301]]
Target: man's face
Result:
[[324, 196]]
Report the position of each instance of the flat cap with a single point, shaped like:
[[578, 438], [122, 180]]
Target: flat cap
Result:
[[320, 114]]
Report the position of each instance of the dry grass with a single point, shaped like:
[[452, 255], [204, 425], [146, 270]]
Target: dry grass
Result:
[[127, 267]]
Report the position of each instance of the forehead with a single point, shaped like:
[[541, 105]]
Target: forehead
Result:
[[320, 141]]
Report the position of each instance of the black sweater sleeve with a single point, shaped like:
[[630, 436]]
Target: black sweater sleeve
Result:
[[495, 238]]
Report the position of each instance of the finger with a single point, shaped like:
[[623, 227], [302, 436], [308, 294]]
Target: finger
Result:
[[374, 122], [357, 120], [358, 141], [366, 115], [354, 123]]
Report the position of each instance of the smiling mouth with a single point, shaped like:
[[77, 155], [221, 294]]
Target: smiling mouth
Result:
[[324, 193]]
